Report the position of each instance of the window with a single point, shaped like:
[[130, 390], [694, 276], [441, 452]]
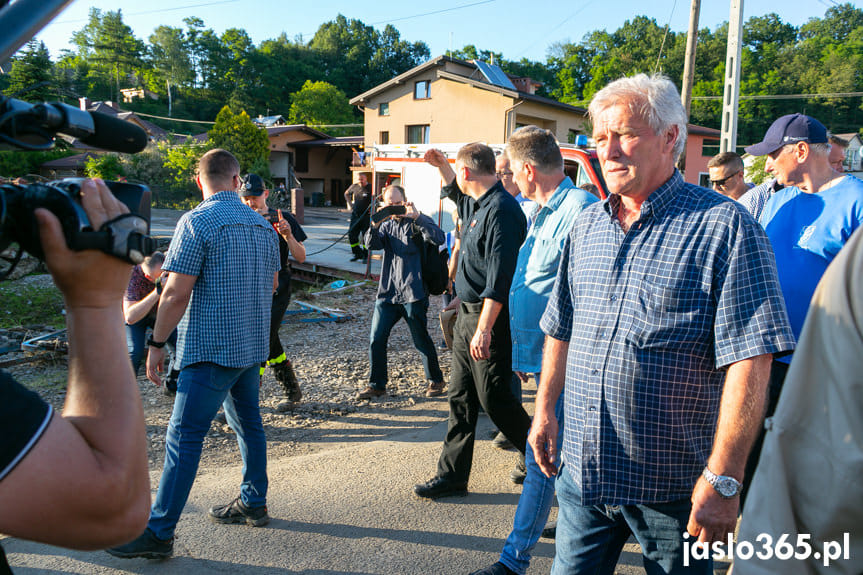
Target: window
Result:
[[384, 109], [302, 164], [421, 90], [418, 134], [384, 138]]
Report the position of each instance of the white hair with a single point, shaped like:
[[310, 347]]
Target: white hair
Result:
[[655, 98]]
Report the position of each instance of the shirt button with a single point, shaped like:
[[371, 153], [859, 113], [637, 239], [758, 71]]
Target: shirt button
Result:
[[592, 408], [612, 298], [595, 371]]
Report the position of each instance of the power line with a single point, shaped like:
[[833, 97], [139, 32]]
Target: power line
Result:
[[173, 119], [664, 36], [159, 11], [787, 96], [561, 23]]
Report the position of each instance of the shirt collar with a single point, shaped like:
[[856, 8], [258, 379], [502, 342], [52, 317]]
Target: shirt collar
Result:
[[657, 202], [223, 195], [486, 197], [559, 194]]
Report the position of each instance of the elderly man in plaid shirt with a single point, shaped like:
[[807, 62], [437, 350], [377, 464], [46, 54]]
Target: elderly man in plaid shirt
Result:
[[662, 323], [223, 260]]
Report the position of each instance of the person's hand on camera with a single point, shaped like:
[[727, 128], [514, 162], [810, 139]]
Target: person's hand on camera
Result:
[[411, 211], [88, 278]]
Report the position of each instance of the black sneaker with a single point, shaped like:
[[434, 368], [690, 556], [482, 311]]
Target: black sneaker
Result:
[[500, 441], [147, 546], [495, 569], [440, 487], [237, 512], [550, 530]]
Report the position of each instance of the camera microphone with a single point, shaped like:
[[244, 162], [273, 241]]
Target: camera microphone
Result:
[[22, 121]]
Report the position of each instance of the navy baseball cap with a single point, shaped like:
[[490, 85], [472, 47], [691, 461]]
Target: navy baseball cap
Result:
[[252, 185], [789, 129]]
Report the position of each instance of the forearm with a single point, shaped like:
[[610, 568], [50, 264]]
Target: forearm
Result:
[[552, 377], [171, 309], [136, 311], [297, 249], [741, 415], [488, 315]]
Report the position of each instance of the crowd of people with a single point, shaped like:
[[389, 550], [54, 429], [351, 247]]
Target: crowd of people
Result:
[[658, 324]]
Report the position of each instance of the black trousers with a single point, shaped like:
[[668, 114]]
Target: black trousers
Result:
[[474, 383], [357, 229], [281, 299]]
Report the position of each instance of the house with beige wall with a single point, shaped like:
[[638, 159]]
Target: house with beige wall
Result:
[[449, 100]]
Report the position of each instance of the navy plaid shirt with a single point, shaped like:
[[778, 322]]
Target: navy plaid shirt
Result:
[[652, 317], [234, 253]]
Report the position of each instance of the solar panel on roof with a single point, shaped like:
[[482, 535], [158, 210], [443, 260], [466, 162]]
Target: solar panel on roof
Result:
[[494, 74]]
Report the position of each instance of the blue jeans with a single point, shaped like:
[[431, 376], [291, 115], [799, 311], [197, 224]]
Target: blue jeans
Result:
[[136, 336], [385, 316], [201, 389], [537, 495], [590, 538]]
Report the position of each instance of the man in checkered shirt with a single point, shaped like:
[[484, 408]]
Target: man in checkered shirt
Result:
[[224, 260], [662, 323]]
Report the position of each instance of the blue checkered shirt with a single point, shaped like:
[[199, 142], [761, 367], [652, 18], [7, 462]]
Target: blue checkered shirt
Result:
[[652, 317], [234, 253]]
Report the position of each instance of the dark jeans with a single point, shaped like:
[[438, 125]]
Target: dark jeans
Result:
[[590, 538], [281, 299], [385, 316], [136, 339], [473, 383], [778, 370]]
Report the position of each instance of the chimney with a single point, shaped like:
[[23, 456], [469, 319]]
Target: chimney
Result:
[[84, 103], [527, 85]]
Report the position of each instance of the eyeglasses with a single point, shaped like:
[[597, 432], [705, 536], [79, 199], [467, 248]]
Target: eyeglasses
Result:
[[501, 175], [721, 183]]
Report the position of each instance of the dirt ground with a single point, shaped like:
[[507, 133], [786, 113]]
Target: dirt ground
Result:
[[331, 362]]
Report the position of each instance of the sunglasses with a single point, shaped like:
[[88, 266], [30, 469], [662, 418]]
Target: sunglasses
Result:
[[721, 183]]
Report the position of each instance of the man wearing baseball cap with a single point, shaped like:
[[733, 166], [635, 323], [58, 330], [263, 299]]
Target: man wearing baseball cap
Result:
[[254, 194], [808, 221]]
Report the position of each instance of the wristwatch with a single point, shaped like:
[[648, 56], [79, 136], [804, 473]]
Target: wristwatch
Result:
[[726, 486], [153, 343]]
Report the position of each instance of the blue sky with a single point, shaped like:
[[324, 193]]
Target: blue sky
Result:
[[517, 28]]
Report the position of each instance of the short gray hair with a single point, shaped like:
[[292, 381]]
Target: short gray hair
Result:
[[655, 98], [820, 149], [537, 147]]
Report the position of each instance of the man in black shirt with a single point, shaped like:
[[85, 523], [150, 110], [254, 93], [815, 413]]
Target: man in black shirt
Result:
[[493, 230], [291, 237], [359, 199]]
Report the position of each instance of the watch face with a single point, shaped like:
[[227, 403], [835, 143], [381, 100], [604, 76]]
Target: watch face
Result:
[[726, 487]]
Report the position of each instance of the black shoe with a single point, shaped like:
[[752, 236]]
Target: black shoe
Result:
[[371, 393], [440, 487], [237, 512], [285, 375], [501, 442], [550, 530], [495, 569], [147, 546], [519, 472], [356, 257]]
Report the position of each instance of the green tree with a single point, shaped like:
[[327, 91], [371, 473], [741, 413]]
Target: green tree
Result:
[[111, 48], [240, 136], [170, 58], [105, 166], [31, 76], [319, 103]]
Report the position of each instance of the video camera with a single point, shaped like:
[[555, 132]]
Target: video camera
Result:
[[126, 237]]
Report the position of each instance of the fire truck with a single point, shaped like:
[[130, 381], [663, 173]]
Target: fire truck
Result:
[[404, 165]]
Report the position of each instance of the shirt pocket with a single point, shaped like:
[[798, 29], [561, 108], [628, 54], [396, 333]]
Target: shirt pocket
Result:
[[544, 257], [672, 316]]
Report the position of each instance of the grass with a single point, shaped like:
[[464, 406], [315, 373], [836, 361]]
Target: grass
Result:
[[30, 305]]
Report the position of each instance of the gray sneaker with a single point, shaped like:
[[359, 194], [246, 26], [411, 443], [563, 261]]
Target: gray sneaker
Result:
[[237, 512]]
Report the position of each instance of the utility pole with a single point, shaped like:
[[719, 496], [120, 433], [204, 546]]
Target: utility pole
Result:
[[689, 67], [731, 93]]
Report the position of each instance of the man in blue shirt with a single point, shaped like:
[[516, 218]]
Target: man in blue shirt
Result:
[[401, 292], [537, 169], [662, 322], [808, 221], [224, 260]]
